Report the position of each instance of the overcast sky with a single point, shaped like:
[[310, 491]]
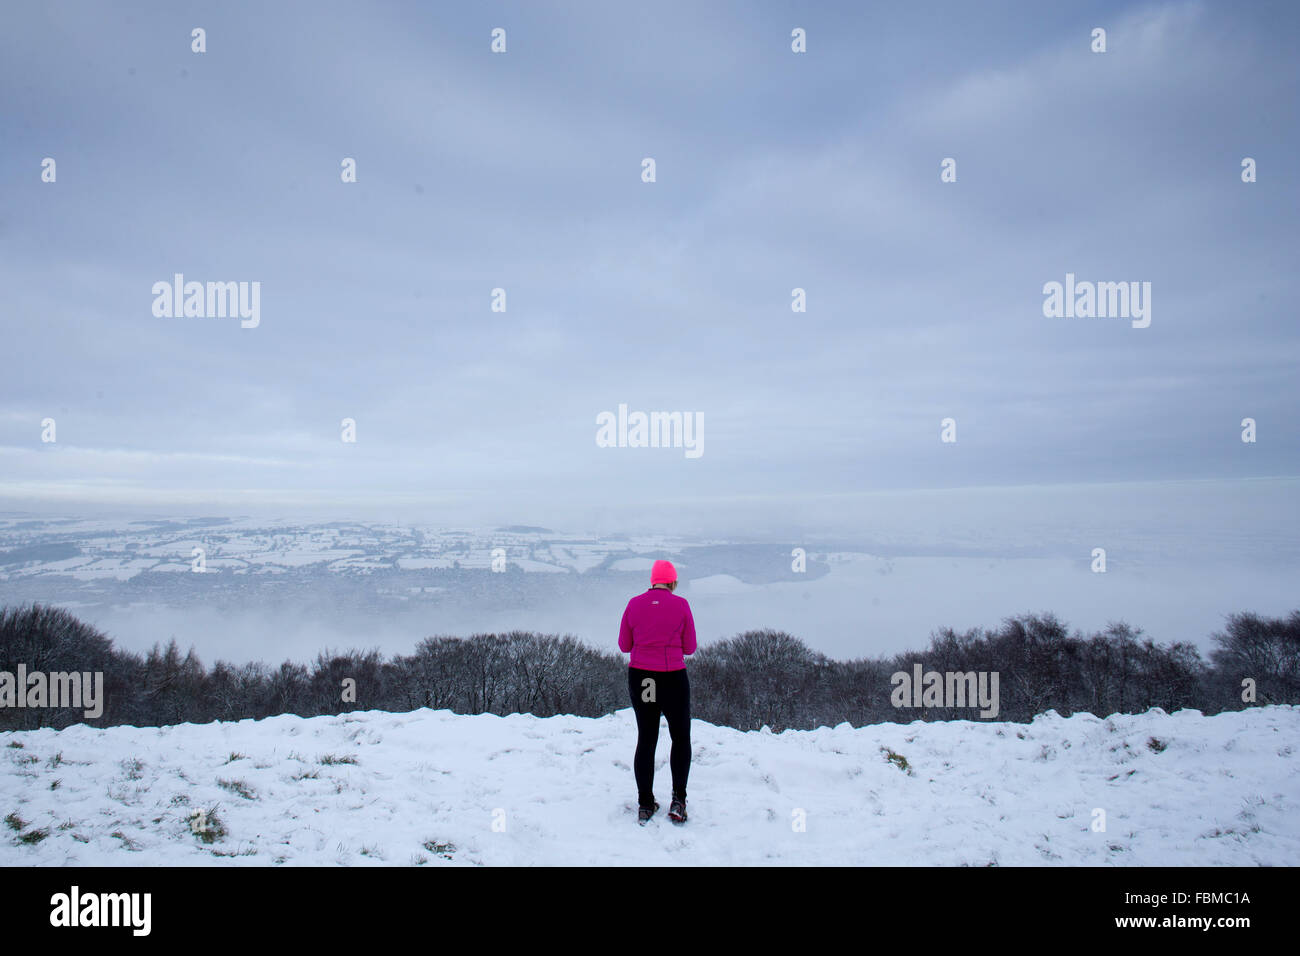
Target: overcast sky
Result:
[[523, 171]]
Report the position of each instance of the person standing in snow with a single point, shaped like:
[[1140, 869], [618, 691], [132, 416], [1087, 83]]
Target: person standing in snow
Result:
[[658, 630]]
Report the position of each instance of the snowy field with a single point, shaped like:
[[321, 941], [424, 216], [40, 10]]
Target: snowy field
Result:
[[434, 788]]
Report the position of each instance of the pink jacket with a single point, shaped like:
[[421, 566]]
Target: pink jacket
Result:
[[658, 629]]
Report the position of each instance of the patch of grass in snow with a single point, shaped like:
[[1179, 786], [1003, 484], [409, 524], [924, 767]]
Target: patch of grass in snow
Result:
[[54, 784], [56, 760], [126, 841], [1156, 745], [329, 760], [236, 755], [207, 825], [16, 743], [248, 851], [1230, 831], [306, 775], [1247, 813], [1047, 852], [18, 824], [237, 786], [133, 768], [125, 795], [26, 758], [898, 760], [441, 849]]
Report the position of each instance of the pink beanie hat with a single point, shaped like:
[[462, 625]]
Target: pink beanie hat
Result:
[[663, 572]]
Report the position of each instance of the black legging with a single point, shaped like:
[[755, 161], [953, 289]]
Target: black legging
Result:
[[672, 698]]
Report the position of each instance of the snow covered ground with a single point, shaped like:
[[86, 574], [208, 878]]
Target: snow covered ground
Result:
[[435, 788]]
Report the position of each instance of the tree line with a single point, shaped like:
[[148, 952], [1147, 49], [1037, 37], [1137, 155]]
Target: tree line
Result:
[[757, 678]]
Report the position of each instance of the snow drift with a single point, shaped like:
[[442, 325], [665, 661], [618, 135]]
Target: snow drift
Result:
[[436, 788]]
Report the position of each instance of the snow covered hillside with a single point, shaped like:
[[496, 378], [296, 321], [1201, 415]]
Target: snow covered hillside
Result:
[[435, 788]]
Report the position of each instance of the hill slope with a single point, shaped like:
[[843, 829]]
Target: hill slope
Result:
[[426, 787]]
